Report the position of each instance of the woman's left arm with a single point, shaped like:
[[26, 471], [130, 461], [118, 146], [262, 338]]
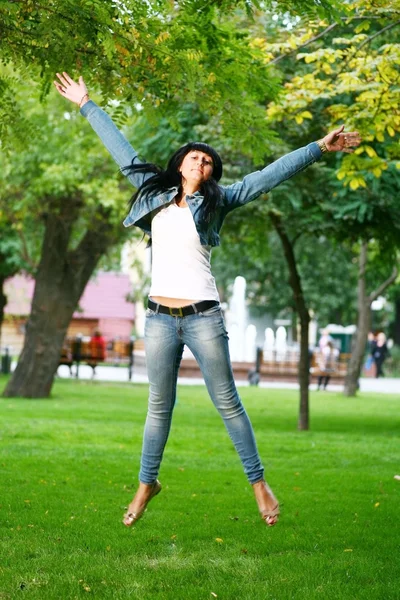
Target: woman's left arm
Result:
[[287, 166]]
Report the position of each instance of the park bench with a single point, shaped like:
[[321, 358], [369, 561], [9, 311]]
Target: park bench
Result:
[[286, 367], [269, 370], [77, 351], [121, 352], [338, 375]]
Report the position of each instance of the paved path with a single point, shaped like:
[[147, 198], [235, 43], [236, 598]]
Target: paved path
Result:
[[383, 385]]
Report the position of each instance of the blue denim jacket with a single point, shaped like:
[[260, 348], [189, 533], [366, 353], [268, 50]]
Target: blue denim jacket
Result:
[[234, 195]]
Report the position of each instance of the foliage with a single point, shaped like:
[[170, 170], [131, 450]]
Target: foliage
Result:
[[9, 252], [316, 60], [159, 54], [328, 272], [348, 73], [60, 161]]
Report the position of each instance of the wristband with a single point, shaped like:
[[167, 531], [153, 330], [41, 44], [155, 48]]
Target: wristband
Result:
[[322, 146], [86, 96]]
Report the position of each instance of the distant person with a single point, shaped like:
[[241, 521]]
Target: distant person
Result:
[[182, 208], [380, 352], [324, 339], [371, 347], [371, 341], [327, 362], [98, 346]]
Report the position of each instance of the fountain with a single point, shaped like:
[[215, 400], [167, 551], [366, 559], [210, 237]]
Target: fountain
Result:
[[236, 320]]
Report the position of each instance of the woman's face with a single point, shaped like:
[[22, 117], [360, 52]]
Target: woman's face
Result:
[[196, 167]]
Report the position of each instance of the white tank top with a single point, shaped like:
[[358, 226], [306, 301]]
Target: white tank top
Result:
[[180, 264]]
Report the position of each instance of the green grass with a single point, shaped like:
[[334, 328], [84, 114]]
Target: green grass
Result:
[[69, 466]]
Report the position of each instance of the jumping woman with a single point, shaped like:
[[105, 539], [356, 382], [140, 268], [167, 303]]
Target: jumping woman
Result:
[[182, 209]]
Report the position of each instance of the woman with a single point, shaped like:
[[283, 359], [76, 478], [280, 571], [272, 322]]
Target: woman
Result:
[[327, 362], [182, 209], [380, 352]]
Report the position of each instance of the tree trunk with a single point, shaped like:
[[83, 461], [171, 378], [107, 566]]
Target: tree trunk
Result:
[[360, 337], [61, 279], [364, 301], [396, 326], [294, 326], [3, 303], [304, 371], [304, 316]]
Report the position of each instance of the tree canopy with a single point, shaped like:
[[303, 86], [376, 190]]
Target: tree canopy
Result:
[[158, 54]]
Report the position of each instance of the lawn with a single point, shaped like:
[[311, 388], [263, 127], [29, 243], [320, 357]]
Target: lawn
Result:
[[69, 466]]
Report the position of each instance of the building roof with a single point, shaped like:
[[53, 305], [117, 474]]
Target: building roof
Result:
[[104, 297]]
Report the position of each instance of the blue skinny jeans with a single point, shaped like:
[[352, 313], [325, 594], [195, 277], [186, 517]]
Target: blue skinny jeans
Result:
[[205, 335]]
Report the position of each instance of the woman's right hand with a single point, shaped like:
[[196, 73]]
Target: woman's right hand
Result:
[[67, 87]]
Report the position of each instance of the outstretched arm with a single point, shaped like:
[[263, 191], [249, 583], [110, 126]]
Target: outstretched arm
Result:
[[287, 166], [115, 142]]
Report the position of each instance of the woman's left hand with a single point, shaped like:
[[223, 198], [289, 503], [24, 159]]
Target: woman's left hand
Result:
[[339, 141]]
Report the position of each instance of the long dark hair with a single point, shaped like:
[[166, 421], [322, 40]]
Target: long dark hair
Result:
[[163, 179]]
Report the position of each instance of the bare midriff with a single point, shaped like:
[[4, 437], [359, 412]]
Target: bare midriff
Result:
[[172, 302]]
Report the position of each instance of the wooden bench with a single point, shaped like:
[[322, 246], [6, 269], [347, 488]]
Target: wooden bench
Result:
[[270, 370], [121, 352], [76, 351]]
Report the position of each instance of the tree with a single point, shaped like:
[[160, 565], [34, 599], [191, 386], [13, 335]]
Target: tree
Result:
[[335, 88], [394, 298], [159, 54], [206, 55], [64, 183], [352, 77], [365, 300]]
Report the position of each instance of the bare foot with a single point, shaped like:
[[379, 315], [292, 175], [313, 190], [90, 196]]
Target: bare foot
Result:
[[267, 504], [140, 501]]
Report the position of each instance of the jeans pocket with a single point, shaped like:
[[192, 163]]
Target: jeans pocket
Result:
[[211, 312], [150, 313]]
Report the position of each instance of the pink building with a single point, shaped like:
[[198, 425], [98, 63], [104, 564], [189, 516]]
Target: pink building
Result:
[[103, 306]]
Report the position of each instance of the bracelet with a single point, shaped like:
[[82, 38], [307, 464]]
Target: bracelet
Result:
[[322, 146], [83, 98]]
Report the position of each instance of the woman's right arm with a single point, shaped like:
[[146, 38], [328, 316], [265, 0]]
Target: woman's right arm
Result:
[[115, 142]]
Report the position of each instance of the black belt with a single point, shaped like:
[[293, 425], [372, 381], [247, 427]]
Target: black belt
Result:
[[182, 311]]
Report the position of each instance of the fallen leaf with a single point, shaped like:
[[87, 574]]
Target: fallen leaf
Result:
[[215, 595], [348, 550], [219, 540], [376, 504]]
